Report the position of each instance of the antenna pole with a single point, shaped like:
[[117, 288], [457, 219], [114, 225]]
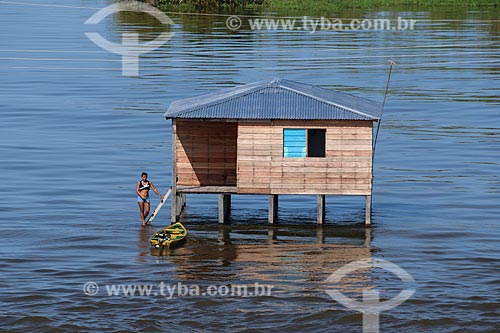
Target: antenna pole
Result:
[[391, 63]]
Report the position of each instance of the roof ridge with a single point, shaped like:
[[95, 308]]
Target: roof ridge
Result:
[[275, 82]]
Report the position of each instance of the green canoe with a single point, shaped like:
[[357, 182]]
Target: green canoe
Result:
[[169, 237]]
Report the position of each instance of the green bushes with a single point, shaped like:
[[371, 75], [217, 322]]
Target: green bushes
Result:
[[343, 4], [214, 5], [208, 4]]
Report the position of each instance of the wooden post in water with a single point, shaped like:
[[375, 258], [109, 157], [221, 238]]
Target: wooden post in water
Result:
[[174, 212], [224, 208], [273, 209], [180, 204], [368, 211], [321, 208], [173, 209], [184, 195]]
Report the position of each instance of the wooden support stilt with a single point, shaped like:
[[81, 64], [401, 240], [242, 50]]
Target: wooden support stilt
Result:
[[179, 204], [224, 208], [184, 195], [368, 211], [321, 208], [173, 210], [273, 209]]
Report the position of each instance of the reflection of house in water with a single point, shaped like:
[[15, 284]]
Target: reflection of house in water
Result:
[[291, 262], [289, 257]]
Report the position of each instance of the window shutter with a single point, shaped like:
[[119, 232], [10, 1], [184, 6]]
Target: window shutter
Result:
[[294, 142]]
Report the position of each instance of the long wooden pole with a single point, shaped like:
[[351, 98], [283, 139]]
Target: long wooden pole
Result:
[[160, 205]]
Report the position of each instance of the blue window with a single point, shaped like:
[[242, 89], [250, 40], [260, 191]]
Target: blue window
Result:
[[301, 142], [294, 142]]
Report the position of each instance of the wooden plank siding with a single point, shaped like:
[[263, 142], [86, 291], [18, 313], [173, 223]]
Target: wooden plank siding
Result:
[[206, 153], [346, 169]]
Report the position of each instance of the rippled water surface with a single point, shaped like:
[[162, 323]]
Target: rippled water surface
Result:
[[75, 135]]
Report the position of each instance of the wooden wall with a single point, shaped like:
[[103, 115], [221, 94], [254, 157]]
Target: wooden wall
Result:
[[346, 169], [206, 153]]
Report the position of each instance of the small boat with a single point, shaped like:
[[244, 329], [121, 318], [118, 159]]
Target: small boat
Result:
[[169, 237]]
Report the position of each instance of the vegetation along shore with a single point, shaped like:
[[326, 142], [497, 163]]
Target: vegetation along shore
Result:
[[327, 5]]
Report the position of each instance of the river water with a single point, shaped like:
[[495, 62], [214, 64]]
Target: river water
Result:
[[75, 135]]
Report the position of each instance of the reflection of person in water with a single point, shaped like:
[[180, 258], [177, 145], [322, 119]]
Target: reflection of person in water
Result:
[[142, 190]]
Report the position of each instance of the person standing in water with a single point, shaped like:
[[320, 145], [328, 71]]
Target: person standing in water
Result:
[[142, 189]]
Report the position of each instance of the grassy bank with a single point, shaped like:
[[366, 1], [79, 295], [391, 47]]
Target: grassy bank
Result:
[[328, 5], [207, 5], [315, 5]]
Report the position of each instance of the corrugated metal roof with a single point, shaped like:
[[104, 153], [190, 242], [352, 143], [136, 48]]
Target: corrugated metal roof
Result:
[[275, 99]]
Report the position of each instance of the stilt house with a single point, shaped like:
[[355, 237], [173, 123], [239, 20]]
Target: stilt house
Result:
[[272, 137]]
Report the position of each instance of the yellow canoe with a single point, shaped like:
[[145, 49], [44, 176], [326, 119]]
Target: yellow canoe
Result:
[[169, 237]]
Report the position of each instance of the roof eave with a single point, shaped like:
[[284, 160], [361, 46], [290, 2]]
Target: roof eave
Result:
[[269, 119]]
